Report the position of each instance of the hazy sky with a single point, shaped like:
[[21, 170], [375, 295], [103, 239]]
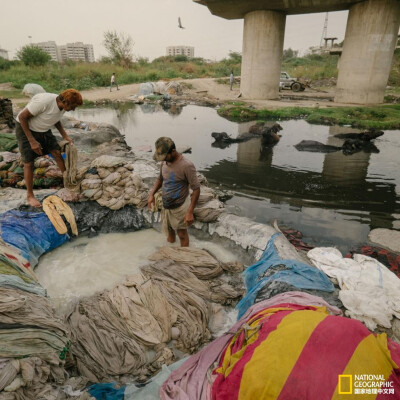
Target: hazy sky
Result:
[[152, 24]]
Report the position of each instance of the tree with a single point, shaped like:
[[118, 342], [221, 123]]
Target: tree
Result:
[[235, 57], [119, 47], [33, 55], [290, 53]]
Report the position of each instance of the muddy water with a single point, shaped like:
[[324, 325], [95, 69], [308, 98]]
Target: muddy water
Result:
[[85, 266], [332, 198]]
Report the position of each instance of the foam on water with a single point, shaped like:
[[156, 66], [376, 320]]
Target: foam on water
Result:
[[85, 265]]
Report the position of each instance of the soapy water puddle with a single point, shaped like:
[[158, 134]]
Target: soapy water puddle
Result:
[[85, 265]]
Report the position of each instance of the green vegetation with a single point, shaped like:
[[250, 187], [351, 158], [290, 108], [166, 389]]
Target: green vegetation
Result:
[[81, 76], [33, 56], [381, 117], [56, 77]]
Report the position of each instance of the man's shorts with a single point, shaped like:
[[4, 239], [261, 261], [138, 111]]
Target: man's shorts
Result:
[[46, 139], [175, 218]]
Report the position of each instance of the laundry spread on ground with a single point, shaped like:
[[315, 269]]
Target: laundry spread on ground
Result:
[[369, 291], [272, 268], [138, 317]]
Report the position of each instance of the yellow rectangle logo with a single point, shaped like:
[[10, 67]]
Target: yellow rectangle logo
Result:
[[345, 384]]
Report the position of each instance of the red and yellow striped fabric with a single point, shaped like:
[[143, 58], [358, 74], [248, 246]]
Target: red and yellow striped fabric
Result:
[[294, 352]]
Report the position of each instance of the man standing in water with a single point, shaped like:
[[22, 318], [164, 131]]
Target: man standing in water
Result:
[[33, 131], [177, 174]]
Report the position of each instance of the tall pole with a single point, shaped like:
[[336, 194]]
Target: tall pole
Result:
[[325, 30]]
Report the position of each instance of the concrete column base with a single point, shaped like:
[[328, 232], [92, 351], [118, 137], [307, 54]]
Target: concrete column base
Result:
[[370, 41], [263, 36]]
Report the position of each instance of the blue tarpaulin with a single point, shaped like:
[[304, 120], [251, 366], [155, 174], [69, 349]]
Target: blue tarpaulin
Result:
[[296, 273], [30, 232]]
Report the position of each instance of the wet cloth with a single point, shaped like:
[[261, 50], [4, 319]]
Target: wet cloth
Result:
[[191, 380], [369, 291], [46, 139], [11, 256], [125, 331], [54, 207], [31, 233], [203, 265], [276, 354], [271, 267], [15, 282], [177, 177], [174, 219]]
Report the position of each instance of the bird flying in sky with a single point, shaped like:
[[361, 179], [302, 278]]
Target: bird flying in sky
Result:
[[179, 23]]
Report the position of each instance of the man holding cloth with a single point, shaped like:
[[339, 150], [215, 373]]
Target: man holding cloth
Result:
[[33, 131], [177, 174]]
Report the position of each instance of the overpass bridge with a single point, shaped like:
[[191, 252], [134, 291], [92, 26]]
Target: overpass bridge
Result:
[[364, 66]]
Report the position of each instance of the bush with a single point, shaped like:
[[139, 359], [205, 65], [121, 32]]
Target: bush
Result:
[[180, 58], [5, 64], [33, 56]]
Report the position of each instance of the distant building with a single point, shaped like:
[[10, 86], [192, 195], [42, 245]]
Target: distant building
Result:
[[180, 50], [49, 47], [89, 52], [71, 51], [3, 53]]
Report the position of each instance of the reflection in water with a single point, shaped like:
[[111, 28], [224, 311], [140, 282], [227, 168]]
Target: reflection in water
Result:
[[332, 198]]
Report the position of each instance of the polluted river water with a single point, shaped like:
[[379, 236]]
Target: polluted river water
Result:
[[333, 199]]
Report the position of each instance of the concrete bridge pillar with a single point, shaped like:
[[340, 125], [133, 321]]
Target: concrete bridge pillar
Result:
[[263, 36], [369, 44]]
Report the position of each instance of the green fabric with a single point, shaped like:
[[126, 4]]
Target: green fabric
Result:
[[8, 142], [8, 270]]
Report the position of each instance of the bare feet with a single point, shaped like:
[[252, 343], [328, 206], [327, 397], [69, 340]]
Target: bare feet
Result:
[[32, 201]]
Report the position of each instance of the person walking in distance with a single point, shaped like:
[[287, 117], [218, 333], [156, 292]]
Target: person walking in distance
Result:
[[177, 174], [231, 79], [113, 82], [33, 131]]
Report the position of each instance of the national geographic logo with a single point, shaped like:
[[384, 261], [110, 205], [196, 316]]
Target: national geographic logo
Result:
[[364, 384], [345, 384]]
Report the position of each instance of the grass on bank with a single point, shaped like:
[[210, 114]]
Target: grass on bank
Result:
[[379, 117]]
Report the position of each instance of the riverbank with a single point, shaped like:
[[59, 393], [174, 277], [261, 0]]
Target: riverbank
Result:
[[314, 105]]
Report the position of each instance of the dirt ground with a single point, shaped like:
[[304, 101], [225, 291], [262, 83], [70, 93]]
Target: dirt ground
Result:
[[208, 89]]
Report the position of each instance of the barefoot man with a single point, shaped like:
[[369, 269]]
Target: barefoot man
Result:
[[177, 174], [34, 134]]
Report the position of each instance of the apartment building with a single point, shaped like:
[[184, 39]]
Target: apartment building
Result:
[[180, 50], [3, 53], [77, 51], [49, 47]]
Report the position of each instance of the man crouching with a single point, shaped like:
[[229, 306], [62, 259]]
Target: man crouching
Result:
[[177, 173], [33, 131]]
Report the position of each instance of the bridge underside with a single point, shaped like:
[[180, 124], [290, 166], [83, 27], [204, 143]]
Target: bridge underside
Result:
[[237, 9], [365, 63]]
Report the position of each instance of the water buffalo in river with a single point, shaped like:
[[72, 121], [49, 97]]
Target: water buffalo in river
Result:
[[269, 136], [354, 143]]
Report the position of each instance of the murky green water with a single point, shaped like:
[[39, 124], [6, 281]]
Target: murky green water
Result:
[[332, 199]]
